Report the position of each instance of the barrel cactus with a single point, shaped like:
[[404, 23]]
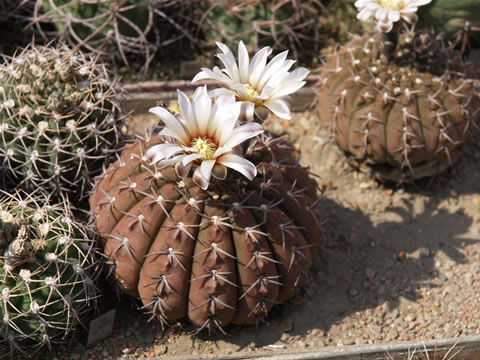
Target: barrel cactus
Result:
[[217, 256], [406, 115], [59, 117], [48, 270]]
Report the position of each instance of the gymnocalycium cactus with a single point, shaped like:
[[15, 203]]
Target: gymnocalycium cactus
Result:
[[191, 237], [402, 102], [59, 117], [227, 254], [48, 270]]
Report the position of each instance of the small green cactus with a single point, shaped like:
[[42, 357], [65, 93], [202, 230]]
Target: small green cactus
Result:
[[48, 270], [407, 116], [59, 117]]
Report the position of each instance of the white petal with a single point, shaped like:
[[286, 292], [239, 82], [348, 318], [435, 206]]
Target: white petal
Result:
[[241, 91], [364, 14], [243, 60], [220, 151], [271, 68], [291, 83], [201, 106], [187, 112], [202, 75], [189, 158], [229, 62], [385, 26], [419, 2], [215, 74], [242, 133], [381, 14], [246, 111], [224, 118], [177, 129], [162, 151], [262, 113], [206, 168], [410, 18], [394, 16], [257, 66], [181, 170], [238, 163], [280, 108], [219, 172], [221, 91]]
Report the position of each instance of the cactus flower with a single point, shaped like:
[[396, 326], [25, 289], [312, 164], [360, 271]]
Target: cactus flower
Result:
[[205, 135], [258, 86], [389, 11]]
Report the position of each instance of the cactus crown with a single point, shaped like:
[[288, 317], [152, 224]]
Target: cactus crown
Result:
[[58, 117]]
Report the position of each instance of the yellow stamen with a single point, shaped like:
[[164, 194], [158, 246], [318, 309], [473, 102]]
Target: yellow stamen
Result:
[[252, 93], [205, 147], [395, 5]]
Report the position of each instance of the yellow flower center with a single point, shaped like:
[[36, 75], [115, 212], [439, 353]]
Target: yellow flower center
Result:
[[395, 5], [252, 93], [205, 147]]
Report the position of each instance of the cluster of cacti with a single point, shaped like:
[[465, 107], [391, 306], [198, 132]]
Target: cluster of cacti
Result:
[[303, 27], [407, 113], [48, 270], [120, 30], [58, 119], [226, 254]]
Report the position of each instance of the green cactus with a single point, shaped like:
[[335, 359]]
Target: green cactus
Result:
[[121, 30], [59, 117], [449, 17], [48, 270], [303, 27], [407, 116], [223, 255]]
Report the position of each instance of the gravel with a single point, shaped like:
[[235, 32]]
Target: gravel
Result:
[[397, 264]]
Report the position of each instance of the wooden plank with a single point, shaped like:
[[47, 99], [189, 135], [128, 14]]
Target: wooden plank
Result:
[[468, 348], [142, 96]]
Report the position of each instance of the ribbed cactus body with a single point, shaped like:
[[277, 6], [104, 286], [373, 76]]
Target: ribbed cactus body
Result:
[[407, 116], [48, 270], [58, 119], [223, 255]]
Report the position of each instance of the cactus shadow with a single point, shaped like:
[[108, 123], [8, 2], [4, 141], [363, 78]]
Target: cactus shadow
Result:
[[364, 265]]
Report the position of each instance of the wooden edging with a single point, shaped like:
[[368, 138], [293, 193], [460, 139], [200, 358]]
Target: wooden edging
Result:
[[465, 348], [142, 96]]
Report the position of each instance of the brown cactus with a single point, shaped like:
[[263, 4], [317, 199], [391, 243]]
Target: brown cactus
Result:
[[408, 115], [225, 255]]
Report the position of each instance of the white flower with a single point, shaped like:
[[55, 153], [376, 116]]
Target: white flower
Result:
[[206, 135], [389, 11], [257, 85]]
